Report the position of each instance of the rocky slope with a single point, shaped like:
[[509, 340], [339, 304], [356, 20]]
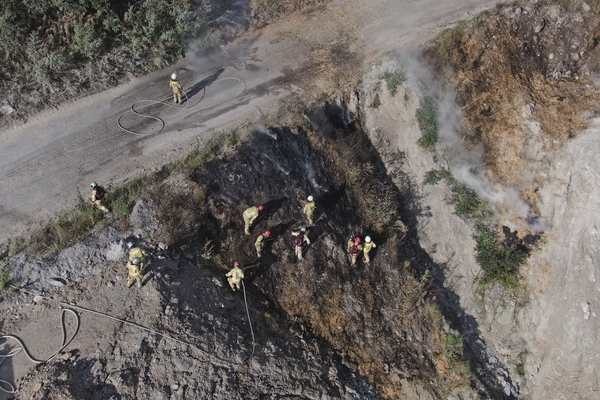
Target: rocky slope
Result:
[[525, 89]]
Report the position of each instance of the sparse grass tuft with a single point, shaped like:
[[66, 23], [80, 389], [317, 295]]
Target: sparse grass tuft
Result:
[[393, 79], [4, 275], [4, 267], [376, 103], [498, 263], [434, 176], [466, 202], [428, 123]]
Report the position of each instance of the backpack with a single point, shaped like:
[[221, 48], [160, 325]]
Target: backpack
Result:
[[353, 249], [299, 241], [99, 192]]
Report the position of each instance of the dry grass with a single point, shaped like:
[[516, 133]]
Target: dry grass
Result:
[[180, 204], [497, 84]]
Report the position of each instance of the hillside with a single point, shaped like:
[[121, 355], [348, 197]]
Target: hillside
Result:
[[470, 163]]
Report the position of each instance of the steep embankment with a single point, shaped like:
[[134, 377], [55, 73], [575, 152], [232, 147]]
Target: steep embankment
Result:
[[525, 92]]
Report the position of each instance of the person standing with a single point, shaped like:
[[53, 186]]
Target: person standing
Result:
[[354, 249], [250, 215], [367, 248], [259, 241], [136, 266], [309, 209], [177, 88], [300, 239], [98, 193], [235, 276]]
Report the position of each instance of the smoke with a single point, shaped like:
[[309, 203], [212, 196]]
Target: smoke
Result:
[[465, 161], [265, 131]]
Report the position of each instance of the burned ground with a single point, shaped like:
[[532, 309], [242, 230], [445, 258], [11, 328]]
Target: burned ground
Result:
[[377, 314]]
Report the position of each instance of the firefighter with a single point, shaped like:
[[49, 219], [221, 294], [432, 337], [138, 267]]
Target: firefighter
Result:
[[300, 239], [250, 216], [367, 248], [259, 241], [98, 193], [136, 266], [235, 276], [354, 248], [309, 209], [177, 88]]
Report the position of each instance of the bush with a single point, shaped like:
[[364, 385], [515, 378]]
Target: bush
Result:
[[498, 263], [434, 176], [393, 79], [466, 202], [67, 47], [428, 124]]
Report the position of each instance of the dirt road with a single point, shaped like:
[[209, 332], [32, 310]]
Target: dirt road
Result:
[[46, 162]]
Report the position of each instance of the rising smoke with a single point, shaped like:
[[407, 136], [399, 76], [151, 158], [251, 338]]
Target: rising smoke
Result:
[[466, 161]]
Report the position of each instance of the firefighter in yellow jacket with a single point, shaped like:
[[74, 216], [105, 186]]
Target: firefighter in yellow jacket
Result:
[[235, 276], [367, 248], [98, 193], [309, 209], [354, 248], [300, 239], [177, 89], [136, 266], [259, 241], [250, 216]]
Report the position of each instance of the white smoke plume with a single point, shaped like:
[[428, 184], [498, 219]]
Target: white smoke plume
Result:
[[466, 161]]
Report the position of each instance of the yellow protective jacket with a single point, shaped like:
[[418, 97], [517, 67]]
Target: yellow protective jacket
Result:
[[137, 252], [309, 208], [251, 212], [260, 239], [176, 86], [134, 270], [236, 274], [368, 246]]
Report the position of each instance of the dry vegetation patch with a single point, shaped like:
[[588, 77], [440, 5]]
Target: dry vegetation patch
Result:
[[522, 73]]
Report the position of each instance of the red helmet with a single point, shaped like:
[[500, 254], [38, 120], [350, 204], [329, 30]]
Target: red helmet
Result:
[[267, 233], [236, 264], [261, 207], [357, 240]]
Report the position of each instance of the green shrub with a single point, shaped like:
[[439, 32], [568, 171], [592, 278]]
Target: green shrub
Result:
[[498, 263], [428, 124], [434, 176], [4, 276], [393, 79], [466, 202], [376, 102], [68, 47]]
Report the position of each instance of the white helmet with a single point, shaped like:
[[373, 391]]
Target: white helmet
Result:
[[129, 245], [136, 261], [174, 76], [368, 239], [310, 198], [93, 184]]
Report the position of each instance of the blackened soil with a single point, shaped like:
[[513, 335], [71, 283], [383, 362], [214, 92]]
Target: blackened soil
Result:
[[375, 314]]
